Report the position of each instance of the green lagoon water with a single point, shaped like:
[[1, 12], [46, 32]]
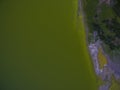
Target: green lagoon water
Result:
[[43, 47]]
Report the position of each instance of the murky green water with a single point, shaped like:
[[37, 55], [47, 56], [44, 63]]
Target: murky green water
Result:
[[41, 48]]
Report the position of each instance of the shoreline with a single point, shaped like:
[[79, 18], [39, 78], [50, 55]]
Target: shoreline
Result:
[[81, 12], [93, 53], [86, 30]]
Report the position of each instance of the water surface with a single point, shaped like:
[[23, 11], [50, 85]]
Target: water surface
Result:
[[42, 47]]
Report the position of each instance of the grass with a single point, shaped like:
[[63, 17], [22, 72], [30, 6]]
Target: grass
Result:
[[101, 58], [115, 84]]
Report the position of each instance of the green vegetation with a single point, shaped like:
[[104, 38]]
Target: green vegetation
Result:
[[115, 84], [89, 8], [104, 19], [102, 59]]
